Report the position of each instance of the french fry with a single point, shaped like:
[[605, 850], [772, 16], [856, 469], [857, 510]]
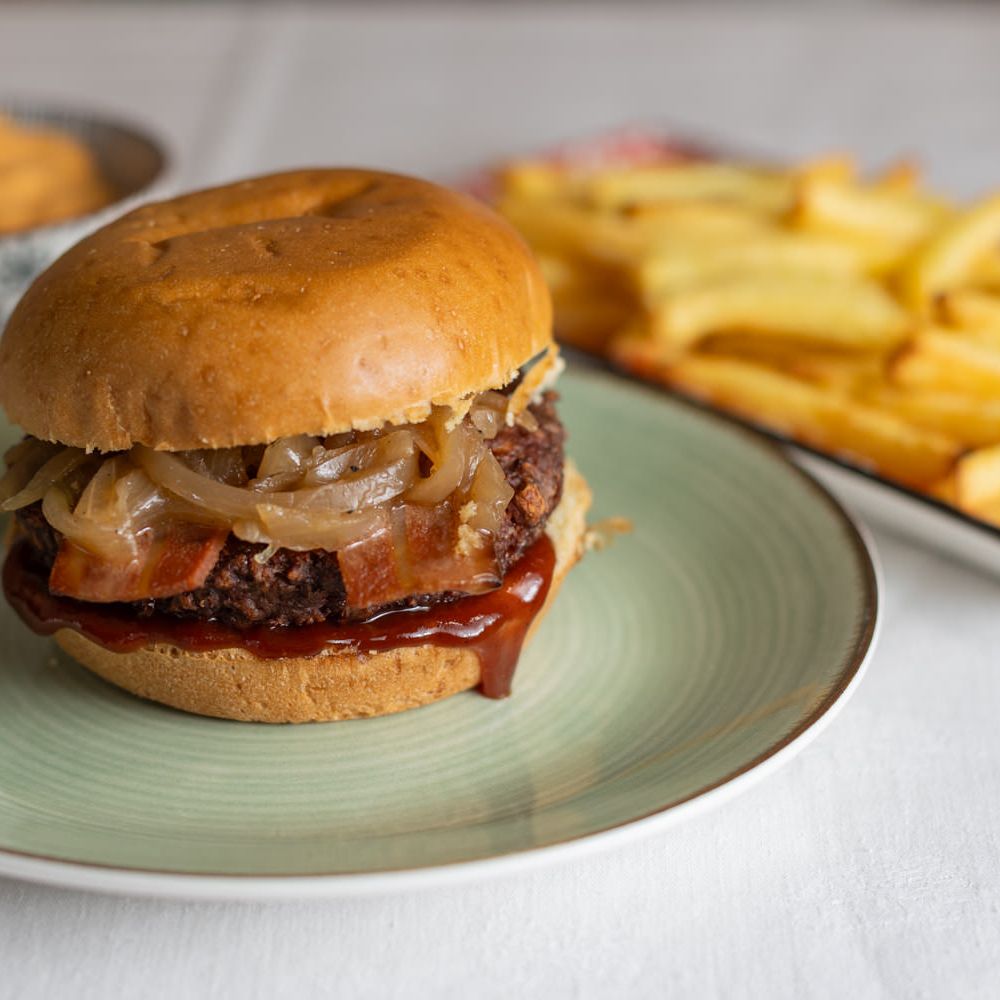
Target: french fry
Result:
[[766, 191], [850, 374], [901, 177], [977, 480], [990, 514], [948, 362], [567, 230], [973, 421], [950, 256], [577, 276], [699, 220], [531, 179], [986, 273], [782, 352], [971, 309], [634, 349], [819, 416], [839, 168], [670, 268], [840, 312], [887, 217], [590, 303]]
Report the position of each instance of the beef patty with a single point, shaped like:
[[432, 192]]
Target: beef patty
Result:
[[303, 588]]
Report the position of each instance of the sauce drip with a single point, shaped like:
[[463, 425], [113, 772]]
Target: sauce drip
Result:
[[493, 625]]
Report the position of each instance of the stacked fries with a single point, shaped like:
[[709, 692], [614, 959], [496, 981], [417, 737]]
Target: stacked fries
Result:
[[859, 316]]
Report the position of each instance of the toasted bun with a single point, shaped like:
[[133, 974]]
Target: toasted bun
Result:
[[234, 684], [307, 302]]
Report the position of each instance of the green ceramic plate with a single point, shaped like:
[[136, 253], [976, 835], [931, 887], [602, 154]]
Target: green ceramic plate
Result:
[[689, 657]]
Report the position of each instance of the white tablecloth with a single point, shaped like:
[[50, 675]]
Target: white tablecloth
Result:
[[869, 867]]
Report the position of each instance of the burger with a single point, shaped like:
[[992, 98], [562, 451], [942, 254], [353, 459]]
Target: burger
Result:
[[292, 452]]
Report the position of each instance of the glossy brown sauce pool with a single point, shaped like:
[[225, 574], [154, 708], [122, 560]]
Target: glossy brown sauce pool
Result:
[[494, 625]]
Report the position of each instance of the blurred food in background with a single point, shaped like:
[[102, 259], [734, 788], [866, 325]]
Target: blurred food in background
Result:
[[858, 315], [46, 175], [63, 173]]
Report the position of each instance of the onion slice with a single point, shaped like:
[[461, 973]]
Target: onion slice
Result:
[[286, 458], [459, 453], [288, 528], [491, 493], [108, 541], [55, 469]]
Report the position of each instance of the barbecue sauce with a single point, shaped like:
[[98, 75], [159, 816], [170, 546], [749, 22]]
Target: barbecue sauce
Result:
[[494, 625]]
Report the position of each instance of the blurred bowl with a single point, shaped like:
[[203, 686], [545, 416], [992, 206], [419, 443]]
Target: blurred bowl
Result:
[[134, 164]]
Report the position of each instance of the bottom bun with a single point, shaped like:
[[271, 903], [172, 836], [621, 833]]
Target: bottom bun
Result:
[[235, 684]]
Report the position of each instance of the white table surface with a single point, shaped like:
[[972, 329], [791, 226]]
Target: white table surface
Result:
[[869, 867]]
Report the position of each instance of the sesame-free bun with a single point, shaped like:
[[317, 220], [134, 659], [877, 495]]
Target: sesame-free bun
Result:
[[234, 684], [313, 302]]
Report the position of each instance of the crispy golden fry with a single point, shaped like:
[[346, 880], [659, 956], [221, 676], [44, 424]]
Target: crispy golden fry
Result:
[[990, 514], [634, 349], [577, 276], [901, 177], [838, 168], [818, 416], [567, 230], [948, 362], [670, 268], [971, 309], [767, 191], [986, 274], [850, 371], [705, 220], [850, 374], [840, 312], [590, 303], [944, 490], [973, 421], [977, 480], [887, 217], [530, 179], [987, 336], [949, 258]]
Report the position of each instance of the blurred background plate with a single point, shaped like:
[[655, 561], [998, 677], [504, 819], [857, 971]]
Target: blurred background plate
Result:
[[677, 665], [134, 164]]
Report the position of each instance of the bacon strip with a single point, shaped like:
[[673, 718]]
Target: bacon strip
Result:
[[168, 562], [421, 554]]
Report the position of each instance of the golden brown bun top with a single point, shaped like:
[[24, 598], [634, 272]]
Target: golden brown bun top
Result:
[[305, 302]]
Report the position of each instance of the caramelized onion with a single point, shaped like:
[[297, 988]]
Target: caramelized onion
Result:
[[457, 456], [490, 492], [226, 465], [527, 420], [52, 471], [328, 464], [117, 544], [489, 413], [285, 458], [116, 505], [301, 530], [23, 460], [392, 469], [172, 473]]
